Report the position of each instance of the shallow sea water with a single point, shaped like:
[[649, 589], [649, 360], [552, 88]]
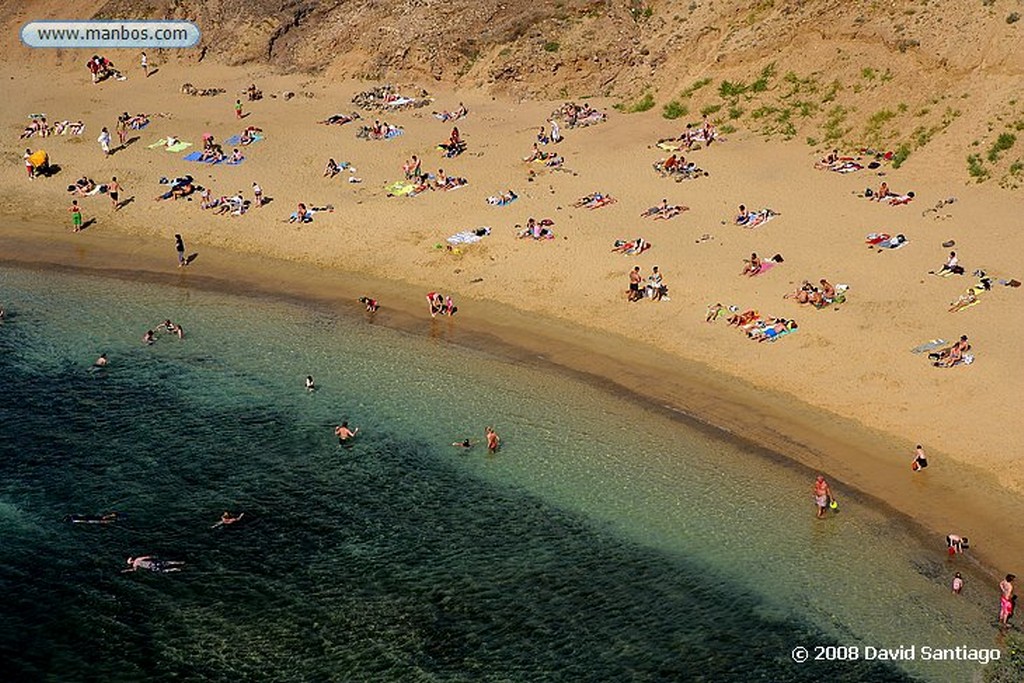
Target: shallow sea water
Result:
[[605, 542]]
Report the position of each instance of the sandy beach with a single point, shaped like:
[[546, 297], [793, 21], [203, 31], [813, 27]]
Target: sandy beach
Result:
[[843, 395]]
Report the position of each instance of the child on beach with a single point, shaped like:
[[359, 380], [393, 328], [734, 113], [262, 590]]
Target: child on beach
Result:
[[238, 109], [958, 583], [76, 216], [179, 246], [257, 192], [920, 461], [104, 141], [145, 65]]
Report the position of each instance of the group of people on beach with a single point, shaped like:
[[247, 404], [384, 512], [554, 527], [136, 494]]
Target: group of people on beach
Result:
[[654, 288]]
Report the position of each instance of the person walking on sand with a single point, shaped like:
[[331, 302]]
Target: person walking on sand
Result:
[[114, 190], [344, 433], [29, 166], [179, 246], [145, 65], [958, 583], [104, 140], [122, 128], [1006, 599], [822, 495], [257, 192], [76, 216], [493, 440], [238, 109]]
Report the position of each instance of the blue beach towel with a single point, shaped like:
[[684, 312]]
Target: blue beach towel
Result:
[[237, 139]]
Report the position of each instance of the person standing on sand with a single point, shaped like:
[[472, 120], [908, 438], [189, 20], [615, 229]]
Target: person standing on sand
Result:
[[634, 284], [114, 190], [1006, 599], [822, 495], [179, 246], [104, 140], [493, 440], [257, 192], [238, 109], [28, 164], [76, 216], [145, 65]]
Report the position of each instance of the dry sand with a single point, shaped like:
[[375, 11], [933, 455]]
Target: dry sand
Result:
[[843, 395]]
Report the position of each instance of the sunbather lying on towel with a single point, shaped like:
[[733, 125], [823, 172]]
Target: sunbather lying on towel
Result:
[[752, 219], [502, 199], [901, 199], [447, 116], [772, 329], [745, 318], [177, 191], [82, 187], [340, 119], [68, 128], [594, 200], [632, 247], [664, 210]]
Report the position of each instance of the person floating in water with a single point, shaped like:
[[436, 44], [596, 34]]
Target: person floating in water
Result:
[[227, 519], [101, 362], [310, 384], [108, 518], [465, 443], [149, 338], [154, 564], [344, 433]]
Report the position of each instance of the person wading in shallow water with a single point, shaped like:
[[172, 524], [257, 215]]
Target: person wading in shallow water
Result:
[[493, 440], [822, 495]]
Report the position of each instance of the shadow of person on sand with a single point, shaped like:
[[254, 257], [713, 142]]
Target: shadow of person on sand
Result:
[[152, 72], [191, 257], [88, 224]]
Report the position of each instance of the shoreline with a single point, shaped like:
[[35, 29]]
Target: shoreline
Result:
[[858, 460]]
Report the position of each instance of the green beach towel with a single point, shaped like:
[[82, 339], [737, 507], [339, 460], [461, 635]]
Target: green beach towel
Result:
[[400, 188], [177, 147]]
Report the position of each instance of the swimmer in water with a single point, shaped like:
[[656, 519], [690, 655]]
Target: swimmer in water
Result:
[[153, 563], [108, 518], [344, 433], [227, 519], [148, 338], [101, 362], [958, 583], [310, 385], [465, 443]]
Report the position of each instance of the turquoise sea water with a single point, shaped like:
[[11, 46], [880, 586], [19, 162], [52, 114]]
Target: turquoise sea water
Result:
[[605, 542]]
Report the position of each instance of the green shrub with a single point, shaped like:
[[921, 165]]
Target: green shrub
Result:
[[901, 155], [710, 109], [729, 89], [697, 85], [976, 169], [674, 109], [1004, 142], [551, 46]]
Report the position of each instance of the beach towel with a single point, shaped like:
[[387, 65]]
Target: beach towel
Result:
[[198, 157], [38, 158], [929, 345], [758, 218], [896, 242], [401, 188], [237, 139], [469, 236], [669, 146], [765, 267], [176, 147], [501, 201], [874, 238]]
